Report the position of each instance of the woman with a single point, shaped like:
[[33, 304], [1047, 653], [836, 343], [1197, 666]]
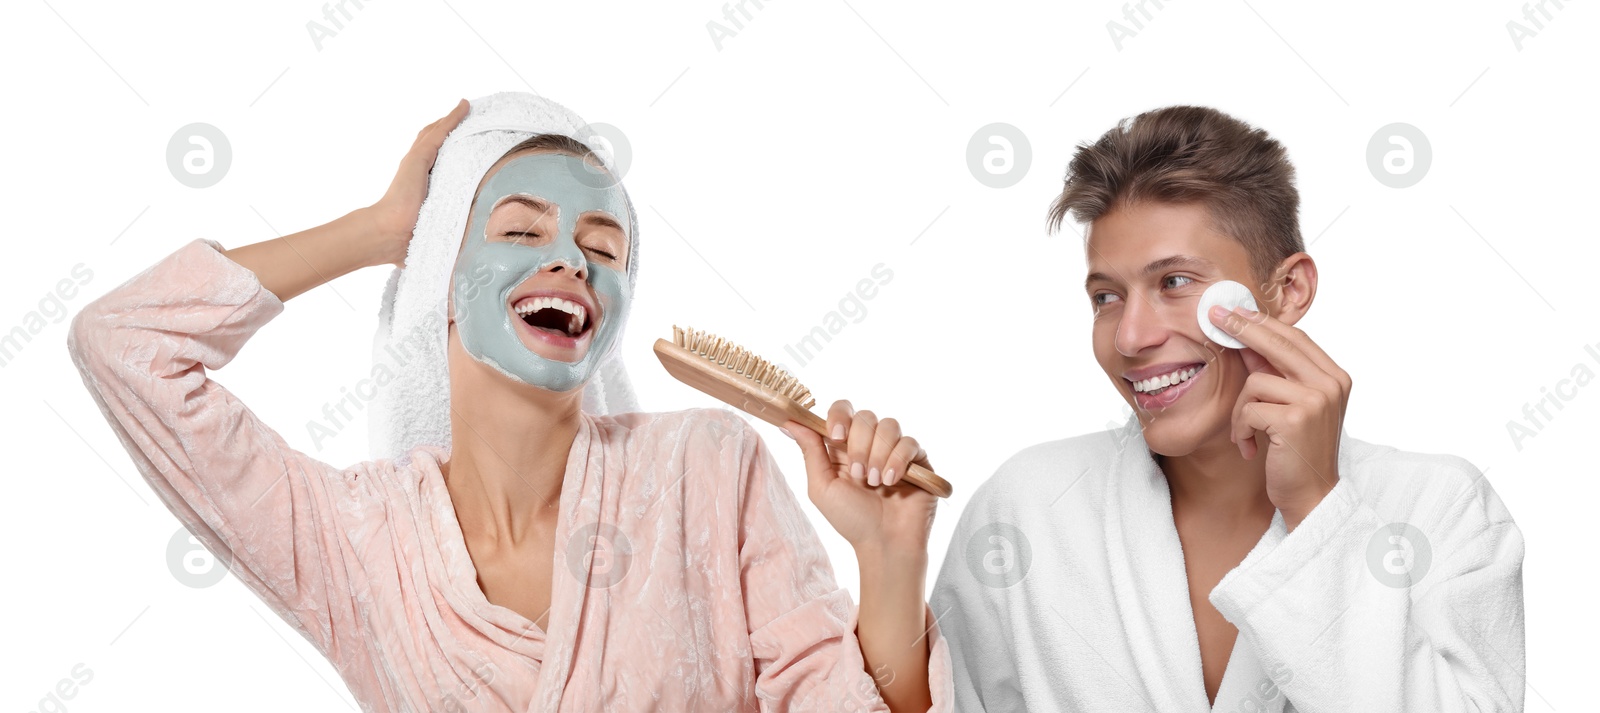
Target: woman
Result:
[[549, 558]]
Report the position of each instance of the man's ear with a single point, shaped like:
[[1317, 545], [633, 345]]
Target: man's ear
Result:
[[1293, 287]]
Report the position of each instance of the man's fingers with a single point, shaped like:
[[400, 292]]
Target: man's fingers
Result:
[[1263, 417], [1264, 388], [1285, 348], [1254, 362]]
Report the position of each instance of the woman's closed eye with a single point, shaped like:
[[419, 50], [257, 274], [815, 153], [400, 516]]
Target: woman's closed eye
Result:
[[600, 235], [522, 219]]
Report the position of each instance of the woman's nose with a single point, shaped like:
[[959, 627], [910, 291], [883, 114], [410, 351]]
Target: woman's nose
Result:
[[563, 266], [566, 257]]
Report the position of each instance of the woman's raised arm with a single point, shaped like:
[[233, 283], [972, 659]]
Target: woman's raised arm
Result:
[[278, 516]]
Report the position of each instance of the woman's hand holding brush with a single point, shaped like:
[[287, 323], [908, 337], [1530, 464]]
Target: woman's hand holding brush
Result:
[[855, 478]]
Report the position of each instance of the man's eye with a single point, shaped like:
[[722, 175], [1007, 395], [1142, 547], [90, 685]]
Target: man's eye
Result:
[[1180, 277]]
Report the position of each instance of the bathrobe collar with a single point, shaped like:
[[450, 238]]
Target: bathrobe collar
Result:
[[1150, 584], [577, 599]]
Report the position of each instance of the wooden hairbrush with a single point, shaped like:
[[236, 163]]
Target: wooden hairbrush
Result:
[[756, 386]]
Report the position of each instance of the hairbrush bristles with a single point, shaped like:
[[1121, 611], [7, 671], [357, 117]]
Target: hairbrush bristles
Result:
[[739, 361]]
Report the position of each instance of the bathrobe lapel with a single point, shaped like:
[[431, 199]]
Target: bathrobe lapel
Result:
[[576, 607], [1243, 679], [1151, 587], [1148, 580], [1248, 685]]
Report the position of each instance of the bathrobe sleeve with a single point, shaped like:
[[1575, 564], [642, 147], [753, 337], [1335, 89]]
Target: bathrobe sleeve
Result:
[[802, 624], [262, 508], [1419, 610]]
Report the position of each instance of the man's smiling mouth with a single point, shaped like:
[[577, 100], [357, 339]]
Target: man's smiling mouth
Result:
[[1156, 385]]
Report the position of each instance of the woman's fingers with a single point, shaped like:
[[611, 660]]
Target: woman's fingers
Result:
[[395, 215], [883, 443], [905, 452], [820, 469], [839, 415], [862, 428], [426, 148], [433, 134], [451, 121], [869, 451]]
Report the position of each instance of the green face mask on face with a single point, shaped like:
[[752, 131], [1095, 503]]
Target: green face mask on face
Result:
[[490, 268]]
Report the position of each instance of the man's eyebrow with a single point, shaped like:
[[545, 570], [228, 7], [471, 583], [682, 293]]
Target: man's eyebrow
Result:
[[1166, 263]]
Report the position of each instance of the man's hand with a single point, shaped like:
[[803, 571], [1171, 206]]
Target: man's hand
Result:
[[1296, 395]]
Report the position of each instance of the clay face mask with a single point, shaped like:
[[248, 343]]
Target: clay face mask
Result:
[[491, 267]]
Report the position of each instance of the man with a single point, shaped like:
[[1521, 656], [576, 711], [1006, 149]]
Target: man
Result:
[[1230, 547]]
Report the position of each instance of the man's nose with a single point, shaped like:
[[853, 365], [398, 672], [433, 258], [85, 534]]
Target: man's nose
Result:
[[1142, 325]]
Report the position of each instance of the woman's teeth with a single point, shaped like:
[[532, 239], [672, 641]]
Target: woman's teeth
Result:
[[1157, 384], [577, 316]]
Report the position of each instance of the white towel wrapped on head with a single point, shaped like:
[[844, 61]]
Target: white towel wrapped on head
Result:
[[413, 408]]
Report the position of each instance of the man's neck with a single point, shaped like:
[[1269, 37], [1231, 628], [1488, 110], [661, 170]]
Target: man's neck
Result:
[[1214, 482]]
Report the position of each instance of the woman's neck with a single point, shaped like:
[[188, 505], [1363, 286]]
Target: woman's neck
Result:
[[509, 445]]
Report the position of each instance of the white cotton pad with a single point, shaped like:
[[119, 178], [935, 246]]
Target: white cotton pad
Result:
[[1228, 294]]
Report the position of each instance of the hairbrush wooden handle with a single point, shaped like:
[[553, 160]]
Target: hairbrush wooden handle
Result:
[[739, 391]]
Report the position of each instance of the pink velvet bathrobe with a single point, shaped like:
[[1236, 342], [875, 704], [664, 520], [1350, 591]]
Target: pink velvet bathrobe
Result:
[[687, 577]]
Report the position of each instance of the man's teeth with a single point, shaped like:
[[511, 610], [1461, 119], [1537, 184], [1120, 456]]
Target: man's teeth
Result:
[[1160, 382], [576, 314]]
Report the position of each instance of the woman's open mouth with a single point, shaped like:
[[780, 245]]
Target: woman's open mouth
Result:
[[555, 320], [1159, 392]]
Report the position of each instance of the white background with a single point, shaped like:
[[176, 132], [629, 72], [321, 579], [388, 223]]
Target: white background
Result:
[[819, 140]]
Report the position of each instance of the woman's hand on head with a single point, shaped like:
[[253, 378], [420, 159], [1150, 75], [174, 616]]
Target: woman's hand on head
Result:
[[856, 478], [394, 216]]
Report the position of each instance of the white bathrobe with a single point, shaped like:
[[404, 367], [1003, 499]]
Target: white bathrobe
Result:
[[1064, 589]]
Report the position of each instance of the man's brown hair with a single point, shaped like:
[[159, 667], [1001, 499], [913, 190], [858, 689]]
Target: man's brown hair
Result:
[[1191, 154]]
